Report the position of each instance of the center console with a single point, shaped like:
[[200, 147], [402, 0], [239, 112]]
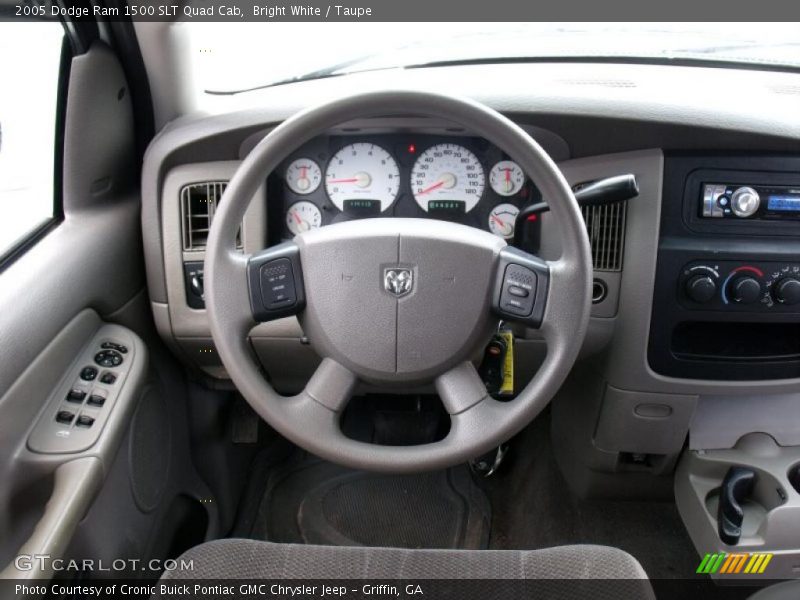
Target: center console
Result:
[[726, 308], [727, 293]]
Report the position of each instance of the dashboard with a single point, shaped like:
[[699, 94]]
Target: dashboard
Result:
[[455, 178], [698, 304]]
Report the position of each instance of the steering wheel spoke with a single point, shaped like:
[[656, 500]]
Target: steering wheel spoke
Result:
[[521, 288], [461, 388], [332, 385], [275, 282]]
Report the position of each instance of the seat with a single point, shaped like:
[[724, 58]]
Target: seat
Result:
[[580, 571], [788, 590]]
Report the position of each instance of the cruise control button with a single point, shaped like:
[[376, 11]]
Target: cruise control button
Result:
[[519, 288], [84, 421], [277, 284], [96, 400], [88, 373], [65, 417], [76, 395]]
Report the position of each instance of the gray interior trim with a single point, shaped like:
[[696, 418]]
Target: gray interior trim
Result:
[[186, 321], [771, 512], [52, 372], [720, 421], [76, 484]]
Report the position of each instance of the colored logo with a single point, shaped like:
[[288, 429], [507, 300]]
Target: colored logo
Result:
[[737, 563]]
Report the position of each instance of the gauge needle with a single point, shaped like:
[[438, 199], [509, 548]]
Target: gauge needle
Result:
[[297, 218], [346, 180], [430, 188], [445, 179], [504, 227]]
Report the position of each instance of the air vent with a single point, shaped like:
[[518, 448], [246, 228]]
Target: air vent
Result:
[[199, 201], [606, 227]]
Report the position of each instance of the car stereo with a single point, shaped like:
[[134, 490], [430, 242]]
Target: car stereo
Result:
[[737, 201]]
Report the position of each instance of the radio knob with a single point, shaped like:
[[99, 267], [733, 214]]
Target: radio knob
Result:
[[745, 290], [787, 291], [701, 288], [745, 202]]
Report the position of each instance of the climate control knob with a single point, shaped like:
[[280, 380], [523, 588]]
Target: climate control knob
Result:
[[701, 288], [745, 290], [745, 202], [787, 291]]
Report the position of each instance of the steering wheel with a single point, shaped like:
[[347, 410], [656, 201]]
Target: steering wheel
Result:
[[397, 302]]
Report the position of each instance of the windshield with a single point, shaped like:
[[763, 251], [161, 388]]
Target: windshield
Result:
[[235, 58]]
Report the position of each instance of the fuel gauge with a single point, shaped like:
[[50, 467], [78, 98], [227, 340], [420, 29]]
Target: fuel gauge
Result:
[[502, 220], [303, 216]]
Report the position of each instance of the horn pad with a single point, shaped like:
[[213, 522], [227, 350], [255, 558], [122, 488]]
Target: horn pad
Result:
[[398, 300]]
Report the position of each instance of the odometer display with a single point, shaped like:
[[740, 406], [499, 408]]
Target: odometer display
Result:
[[448, 206], [447, 172]]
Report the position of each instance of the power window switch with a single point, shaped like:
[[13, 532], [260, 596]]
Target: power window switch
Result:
[[88, 373], [65, 417], [108, 378], [76, 395], [84, 421], [96, 400]]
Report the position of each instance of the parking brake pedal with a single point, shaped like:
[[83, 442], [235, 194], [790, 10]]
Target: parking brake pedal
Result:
[[737, 485]]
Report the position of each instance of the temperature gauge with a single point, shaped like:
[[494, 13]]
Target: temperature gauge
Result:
[[502, 220], [506, 178], [303, 216], [303, 176]]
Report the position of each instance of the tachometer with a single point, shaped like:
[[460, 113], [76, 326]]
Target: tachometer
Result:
[[502, 220], [303, 176], [303, 216], [362, 172], [447, 172], [506, 178]]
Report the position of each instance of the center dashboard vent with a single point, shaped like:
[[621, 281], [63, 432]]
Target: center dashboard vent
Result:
[[606, 227], [199, 202]]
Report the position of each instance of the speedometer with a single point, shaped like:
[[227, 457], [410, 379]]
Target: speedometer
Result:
[[447, 173], [362, 173]]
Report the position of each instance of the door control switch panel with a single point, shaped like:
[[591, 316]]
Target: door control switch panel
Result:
[[80, 407]]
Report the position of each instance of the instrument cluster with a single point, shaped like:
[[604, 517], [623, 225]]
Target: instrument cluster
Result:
[[453, 178]]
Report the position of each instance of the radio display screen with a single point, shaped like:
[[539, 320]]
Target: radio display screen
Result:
[[783, 203]]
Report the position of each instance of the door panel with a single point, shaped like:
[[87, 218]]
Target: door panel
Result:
[[56, 302]]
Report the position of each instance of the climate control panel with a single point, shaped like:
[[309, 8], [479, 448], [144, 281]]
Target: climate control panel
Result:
[[740, 286]]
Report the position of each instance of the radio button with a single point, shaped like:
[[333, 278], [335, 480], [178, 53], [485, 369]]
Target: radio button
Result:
[[787, 291], [745, 202], [745, 290], [708, 199]]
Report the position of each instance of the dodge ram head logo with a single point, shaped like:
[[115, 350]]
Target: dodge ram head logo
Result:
[[398, 282]]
